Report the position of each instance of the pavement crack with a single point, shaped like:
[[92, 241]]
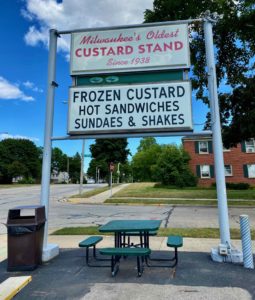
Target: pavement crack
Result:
[[168, 216]]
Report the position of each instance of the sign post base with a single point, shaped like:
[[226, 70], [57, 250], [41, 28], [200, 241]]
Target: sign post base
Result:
[[232, 256], [49, 252]]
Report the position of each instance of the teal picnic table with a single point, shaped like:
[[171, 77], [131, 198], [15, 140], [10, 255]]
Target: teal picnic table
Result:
[[122, 228], [142, 228]]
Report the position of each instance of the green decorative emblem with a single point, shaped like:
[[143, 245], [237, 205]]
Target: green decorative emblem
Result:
[[112, 79], [96, 80]]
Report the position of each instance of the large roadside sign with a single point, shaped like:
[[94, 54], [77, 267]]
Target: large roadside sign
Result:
[[130, 108], [130, 49]]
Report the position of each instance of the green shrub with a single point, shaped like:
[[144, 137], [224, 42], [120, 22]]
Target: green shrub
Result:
[[238, 186], [28, 180], [235, 186]]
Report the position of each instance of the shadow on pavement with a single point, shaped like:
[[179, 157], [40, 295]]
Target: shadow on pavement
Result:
[[197, 277]]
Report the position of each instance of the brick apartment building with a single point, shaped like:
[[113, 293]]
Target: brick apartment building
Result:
[[239, 161]]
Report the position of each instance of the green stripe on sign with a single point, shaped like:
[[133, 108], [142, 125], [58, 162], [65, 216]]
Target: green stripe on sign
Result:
[[130, 78]]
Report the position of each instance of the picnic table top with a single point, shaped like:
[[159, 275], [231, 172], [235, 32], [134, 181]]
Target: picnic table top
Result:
[[130, 225]]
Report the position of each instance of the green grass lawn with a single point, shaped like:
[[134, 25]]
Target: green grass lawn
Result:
[[178, 202], [185, 232], [147, 190]]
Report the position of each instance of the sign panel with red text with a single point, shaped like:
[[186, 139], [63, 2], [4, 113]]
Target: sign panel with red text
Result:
[[130, 49]]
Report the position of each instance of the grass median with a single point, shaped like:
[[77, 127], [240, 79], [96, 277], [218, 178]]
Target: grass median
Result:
[[213, 233], [152, 190], [202, 202]]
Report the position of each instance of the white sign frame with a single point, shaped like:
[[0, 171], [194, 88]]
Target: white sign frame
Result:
[[130, 49], [91, 106]]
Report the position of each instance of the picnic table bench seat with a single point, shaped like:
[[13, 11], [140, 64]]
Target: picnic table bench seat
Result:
[[91, 241], [173, 241], [116, 253]]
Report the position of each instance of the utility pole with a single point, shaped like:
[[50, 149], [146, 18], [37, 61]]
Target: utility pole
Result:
[[118, 173], [98, 175], [82, 167], [68, 168]]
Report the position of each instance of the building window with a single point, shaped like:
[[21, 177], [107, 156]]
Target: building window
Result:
[[250, 146], [226, 149], [228, 170], [251, 171], [205, 171], [203, 147]]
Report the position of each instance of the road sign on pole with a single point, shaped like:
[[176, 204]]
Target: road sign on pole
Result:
[[111, 167]]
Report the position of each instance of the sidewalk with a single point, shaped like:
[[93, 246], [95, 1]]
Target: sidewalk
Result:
[[197, 277], [99, 198]]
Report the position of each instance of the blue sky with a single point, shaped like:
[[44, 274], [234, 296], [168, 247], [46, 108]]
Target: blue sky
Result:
[[24, 26]]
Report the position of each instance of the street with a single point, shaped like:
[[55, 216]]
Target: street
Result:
[[64, 214], [12, 197]]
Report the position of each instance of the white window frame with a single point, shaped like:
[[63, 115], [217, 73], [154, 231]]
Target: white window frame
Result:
[[251, 170], [201, 171], [231, 171], [199, 147], [250, 146], [226, 149]]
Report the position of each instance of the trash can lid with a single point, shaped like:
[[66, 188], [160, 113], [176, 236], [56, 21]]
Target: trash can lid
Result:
[[16, 215], [27, 207]]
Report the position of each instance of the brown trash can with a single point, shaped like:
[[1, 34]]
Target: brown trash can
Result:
[[25, 227]]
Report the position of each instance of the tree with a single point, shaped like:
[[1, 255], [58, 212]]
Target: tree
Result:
[[168, 164], [234, 39], [242, 122], [58, 160], [75, 168], [146, 143], [19, 157], [105, 151], [172, 167], [17, 169], [145, 159]]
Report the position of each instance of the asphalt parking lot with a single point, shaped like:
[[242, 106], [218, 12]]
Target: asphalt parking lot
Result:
[[197, 277]]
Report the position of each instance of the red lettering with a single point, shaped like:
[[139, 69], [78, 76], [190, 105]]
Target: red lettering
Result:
[[141, 49], [85, 39], [95, 51], [120, 50], [129, 49], [178, 45], [110, 52], [157, 48], [149, 47], [77, 52], [168, 46]]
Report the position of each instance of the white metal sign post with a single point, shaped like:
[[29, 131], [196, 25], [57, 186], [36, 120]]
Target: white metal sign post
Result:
[[224, 251], [49, 250]]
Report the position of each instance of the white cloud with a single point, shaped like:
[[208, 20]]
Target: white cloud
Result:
[[12, 91], [75, 14], [30, 85], [4, 136]]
